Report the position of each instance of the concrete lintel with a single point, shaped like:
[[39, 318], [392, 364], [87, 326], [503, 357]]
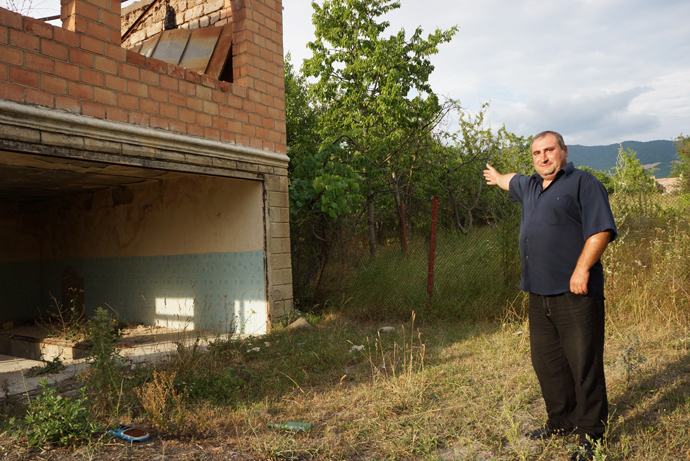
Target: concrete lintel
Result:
[[54, 122], [142, 161]]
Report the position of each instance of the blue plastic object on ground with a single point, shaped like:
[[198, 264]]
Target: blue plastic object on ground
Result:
[[130, 434]]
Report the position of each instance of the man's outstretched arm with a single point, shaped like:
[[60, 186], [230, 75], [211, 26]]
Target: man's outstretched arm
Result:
[[494, 178]]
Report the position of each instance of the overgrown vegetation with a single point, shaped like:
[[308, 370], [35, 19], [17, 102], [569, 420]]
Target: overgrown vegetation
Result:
[[105, 379], [52, 419], [48, 367], [65, 320], [452, 380], [443, 390], [682, 167], [474, 275], [455, 384]]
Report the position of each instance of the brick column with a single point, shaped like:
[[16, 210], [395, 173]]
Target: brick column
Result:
[[258, 65], [99, 19]]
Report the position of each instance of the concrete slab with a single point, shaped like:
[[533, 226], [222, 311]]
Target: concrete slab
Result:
[[13, 370], [9, 363], [14, 380]]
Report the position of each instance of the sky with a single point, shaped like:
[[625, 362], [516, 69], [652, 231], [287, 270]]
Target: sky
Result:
[[597, 71]]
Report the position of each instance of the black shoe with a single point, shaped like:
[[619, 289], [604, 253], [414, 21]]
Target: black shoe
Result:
[[544, 432], [584, 452]]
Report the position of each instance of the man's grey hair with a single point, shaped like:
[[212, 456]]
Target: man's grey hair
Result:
[[558, 136]]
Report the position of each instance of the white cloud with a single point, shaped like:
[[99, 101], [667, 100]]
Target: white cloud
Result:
[[580, 118], [599, 71]]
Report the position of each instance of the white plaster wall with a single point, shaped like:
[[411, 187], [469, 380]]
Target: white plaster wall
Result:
[[181, 214], [178, 215]]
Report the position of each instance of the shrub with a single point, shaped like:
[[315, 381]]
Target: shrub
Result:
[[54, 420], [105, 376], [164, 406]]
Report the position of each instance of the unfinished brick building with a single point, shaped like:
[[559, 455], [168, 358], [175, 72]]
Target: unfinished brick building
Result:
[[154, 187]]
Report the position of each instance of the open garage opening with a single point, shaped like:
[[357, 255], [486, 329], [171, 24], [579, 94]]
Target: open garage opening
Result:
[[159, 247]]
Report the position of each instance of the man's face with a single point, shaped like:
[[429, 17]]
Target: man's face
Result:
[[548, 157]]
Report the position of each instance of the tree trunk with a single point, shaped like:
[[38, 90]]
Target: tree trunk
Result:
[[371, 224], [403, 227], [326, 252], [454, 205]]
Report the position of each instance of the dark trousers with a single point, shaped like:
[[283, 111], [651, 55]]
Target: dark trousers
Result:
[[567, 344]]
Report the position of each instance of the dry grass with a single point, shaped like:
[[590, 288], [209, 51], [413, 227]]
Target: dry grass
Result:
[[474, 398], [447, 392]]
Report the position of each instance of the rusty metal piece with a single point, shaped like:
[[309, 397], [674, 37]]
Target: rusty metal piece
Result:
[[207, 50], [171, 45], [148, 46], [200, 49], [221, 53]]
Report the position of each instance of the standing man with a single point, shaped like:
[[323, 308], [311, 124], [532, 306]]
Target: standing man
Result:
[[565, 228]]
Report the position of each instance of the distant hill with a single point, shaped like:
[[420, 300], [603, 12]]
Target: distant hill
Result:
[[657, 154]]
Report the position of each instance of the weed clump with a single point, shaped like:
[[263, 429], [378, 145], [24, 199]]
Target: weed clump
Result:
[[52, 419], [54, 366], [163, 404], [105, 378], [629, 359]]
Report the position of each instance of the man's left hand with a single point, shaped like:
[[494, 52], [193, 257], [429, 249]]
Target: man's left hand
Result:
[[578, 282]]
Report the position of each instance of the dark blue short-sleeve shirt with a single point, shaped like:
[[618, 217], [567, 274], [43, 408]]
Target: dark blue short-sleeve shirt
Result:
[[555, 224]]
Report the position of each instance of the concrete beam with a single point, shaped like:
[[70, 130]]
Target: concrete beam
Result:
[[132, 144]]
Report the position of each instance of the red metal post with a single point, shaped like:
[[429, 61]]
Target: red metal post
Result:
[[432, 247], [403, 224]]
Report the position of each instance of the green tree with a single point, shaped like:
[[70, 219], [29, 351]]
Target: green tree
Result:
[[321, 185], [682, 167], [301, 117], [629, 176], [322, 190], [514, 154], [374, 90], [462, 156]]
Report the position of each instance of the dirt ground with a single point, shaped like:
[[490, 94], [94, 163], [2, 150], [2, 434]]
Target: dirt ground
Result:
[[156, 449]]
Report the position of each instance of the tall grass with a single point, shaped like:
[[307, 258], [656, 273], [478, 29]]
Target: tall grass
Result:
[[474, 276], [648, 267], [439, 391]]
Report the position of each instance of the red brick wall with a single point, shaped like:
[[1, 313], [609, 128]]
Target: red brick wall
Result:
[[95, 18], [258, 57], [73, 71]]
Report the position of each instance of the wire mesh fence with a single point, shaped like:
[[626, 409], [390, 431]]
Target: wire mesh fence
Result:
[[476, 273]]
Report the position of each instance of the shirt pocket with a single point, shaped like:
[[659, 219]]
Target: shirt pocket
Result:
[[560, 210]]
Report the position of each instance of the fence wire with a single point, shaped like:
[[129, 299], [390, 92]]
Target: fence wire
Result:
[[476, 274]]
